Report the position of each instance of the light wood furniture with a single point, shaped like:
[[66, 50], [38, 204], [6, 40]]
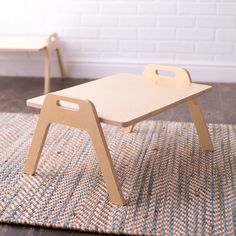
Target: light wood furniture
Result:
[[121, 100], [35, 44]]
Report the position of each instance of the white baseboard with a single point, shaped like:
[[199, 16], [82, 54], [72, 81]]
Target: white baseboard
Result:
[[90, 69]]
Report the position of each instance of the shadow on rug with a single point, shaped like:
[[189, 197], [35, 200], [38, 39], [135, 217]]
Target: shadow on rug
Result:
[[172, 186]]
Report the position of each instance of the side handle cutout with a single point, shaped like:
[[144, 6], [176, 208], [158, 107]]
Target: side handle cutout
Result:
[[53, 39], [165, 73], [68, 105]]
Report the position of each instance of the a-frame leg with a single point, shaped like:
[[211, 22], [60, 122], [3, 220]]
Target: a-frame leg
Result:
[[106, 165], [198, 119], [37, 145], [83, 116]]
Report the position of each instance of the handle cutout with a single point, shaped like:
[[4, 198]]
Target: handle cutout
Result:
[[53, 39], [165, 73], [68, 105]]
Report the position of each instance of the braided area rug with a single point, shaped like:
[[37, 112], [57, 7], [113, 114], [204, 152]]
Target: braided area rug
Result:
[[172, 186]]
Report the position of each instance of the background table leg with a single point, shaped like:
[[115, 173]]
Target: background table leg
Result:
[[59, 58], [47, 71]]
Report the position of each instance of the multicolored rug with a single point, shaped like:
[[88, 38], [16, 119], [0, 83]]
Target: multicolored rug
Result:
[[172, 186]]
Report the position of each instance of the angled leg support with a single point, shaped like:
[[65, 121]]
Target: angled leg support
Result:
[[80, 114], [198, 119], [128, 129], [37, 144]]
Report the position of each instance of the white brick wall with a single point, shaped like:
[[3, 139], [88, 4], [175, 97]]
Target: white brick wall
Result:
[[100, 37]]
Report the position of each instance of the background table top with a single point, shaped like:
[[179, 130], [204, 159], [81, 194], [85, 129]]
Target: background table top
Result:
[[17, 43]]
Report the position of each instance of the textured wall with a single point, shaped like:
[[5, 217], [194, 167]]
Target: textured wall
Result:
[[101, 37]]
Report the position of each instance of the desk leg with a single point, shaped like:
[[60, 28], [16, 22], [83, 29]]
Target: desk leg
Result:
[[106, 165], [37, 145], [84, 118], [197, 116], [47, 74]]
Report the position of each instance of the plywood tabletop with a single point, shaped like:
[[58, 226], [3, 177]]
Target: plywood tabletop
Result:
[[22, 43], [125, 99]]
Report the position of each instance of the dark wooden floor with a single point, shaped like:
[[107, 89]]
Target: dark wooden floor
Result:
[[219, 106]]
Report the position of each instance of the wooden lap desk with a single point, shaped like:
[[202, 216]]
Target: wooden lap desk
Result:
[[121, 100], [35, 44]]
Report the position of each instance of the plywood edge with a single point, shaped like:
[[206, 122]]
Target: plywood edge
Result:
[[36, 102]]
